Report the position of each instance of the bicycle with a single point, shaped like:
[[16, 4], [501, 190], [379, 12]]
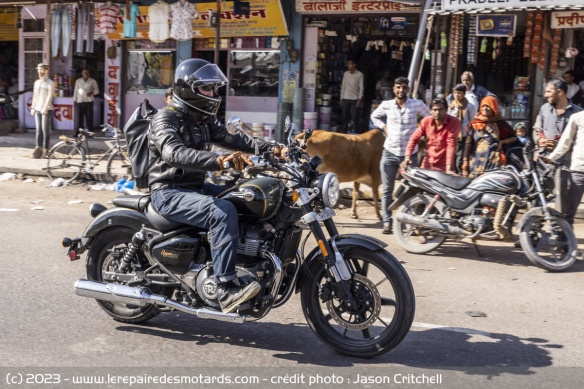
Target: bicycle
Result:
[[71, 157]]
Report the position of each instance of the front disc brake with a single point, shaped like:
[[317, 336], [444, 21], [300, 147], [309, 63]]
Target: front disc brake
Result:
[[366, 310]]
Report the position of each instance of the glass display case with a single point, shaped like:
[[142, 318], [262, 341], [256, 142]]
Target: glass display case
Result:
[[254, 73]]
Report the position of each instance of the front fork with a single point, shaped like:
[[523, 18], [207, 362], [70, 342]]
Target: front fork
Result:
[[335, 265]]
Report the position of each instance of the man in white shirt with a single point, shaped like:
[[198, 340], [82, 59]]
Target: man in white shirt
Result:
[[403, 115], [83, 95], [42, 110], [573, 93], [351, 95]]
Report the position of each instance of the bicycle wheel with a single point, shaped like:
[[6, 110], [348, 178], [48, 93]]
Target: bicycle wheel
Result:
[[118, 167], [66, 161]]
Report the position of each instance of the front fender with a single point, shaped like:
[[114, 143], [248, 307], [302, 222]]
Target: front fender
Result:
[[114, 217], [344, 242], [538, 212]]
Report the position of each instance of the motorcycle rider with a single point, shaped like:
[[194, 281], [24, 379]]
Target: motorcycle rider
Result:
[[179, 139]]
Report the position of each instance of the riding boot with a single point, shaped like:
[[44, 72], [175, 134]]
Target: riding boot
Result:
[[231, 295]]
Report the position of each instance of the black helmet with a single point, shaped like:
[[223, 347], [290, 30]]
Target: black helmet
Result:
[[193, 74]]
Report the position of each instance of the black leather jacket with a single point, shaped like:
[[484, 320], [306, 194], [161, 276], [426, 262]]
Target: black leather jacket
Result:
[[179, 142]]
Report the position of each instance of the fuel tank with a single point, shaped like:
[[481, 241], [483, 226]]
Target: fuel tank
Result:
[[257, 199], [499, 181]]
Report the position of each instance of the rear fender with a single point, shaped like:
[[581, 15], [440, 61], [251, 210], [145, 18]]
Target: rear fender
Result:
[[344, 243], [113, 217], [538, 212]]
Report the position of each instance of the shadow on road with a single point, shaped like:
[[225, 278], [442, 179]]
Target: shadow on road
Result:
[[453, 349]]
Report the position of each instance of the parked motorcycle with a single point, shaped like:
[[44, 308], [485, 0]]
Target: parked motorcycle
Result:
[[434, 206], [355, 295]]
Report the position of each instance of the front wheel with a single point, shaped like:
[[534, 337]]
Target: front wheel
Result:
[[416, 239], [65, 160], [105, 254], [551, 244], [384, 310]]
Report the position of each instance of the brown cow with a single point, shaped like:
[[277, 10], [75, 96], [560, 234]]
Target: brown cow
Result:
[[352, 158]]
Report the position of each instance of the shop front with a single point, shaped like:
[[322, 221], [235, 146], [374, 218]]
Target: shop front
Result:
[[378, 35], [511, 51]]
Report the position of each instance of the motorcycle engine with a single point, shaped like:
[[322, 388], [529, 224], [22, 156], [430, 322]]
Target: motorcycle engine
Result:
[[474, 222]]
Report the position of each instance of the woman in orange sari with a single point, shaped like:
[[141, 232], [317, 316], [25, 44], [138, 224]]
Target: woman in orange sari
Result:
[[487, 133]]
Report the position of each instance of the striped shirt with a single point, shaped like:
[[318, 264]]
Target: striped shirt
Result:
[[108, 17], [401, 122], [572, 138]]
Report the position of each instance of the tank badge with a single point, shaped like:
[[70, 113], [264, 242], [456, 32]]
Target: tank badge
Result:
[[168, 254]]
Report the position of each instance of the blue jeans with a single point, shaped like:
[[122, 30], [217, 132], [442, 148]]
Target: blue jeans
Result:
[[202, 210], [44, 125], [85, 19], [389, 166], [61, 28]]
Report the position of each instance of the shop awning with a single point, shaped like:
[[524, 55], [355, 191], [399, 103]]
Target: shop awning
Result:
[[559, 7]]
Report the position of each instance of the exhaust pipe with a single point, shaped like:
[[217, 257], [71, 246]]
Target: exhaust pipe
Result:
[[123, 294], [432, 224]]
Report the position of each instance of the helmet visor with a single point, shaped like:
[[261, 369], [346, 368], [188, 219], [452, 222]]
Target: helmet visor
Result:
[[208, 78]]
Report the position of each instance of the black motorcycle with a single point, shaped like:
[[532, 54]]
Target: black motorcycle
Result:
[[433, 206], [355, 295]]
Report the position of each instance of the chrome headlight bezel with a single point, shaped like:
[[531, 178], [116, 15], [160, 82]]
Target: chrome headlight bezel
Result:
[[329, 186]]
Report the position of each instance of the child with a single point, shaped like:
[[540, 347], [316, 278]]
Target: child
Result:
[[521, 132]]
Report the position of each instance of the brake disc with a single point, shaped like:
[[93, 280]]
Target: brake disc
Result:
[[367, 309]]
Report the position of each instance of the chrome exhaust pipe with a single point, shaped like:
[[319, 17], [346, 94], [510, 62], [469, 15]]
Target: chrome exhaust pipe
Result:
[[123, 294], [432, 224]]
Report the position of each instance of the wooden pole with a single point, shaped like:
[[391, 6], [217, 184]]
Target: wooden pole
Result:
[[217, 32]]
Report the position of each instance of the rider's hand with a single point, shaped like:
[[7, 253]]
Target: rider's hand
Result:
[[280, 151], [237, 159]]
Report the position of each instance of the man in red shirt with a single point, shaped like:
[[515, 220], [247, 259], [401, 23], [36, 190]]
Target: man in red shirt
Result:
[[441, 132]]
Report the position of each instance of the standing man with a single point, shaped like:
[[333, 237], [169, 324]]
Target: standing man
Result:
[[549, 126], [351, 95], [474, 93], [383, 87], [572, 139], [402, 118], [42, 110], [573, 92], [441, 132], [465, 111], [83, 96]]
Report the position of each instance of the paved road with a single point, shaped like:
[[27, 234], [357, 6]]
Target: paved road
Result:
[[531, 335]]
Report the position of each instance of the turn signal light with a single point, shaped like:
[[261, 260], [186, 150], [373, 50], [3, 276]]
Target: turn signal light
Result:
[[295, 196], [66, 242], [323, 248]]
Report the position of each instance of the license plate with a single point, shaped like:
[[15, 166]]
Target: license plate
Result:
[[325, 214]]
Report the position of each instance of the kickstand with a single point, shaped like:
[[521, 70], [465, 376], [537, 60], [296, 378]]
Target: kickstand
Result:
[[476, 246]]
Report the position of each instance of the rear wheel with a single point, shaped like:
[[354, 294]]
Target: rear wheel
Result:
[[118, 167], [551, 244], [65, 160], [384, 309], [416, 239], [104, 255]]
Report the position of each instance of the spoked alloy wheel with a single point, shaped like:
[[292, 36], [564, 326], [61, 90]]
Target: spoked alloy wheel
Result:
[[549, 244], [65, 161], [416, 239], [382, 315], [104, 255]]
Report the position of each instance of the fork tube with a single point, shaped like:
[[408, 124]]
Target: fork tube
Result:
[[331, 227], [540, 192]]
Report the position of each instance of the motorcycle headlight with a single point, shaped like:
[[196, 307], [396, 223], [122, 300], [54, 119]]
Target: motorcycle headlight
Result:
[[329, 187]]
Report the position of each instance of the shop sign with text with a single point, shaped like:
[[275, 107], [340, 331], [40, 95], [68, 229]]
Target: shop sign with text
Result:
[[344, 6], [496, 25], [265, 18], [455, 5], [569, 19]]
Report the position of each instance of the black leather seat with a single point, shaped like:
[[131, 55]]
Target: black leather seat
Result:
[[159, 222], [454, 182], [135, 202]]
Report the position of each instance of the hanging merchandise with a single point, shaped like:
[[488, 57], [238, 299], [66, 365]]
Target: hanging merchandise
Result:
[[182, 13], [85, 27], [158, 20], [555, 51], [471, 56], [528, 34], [131, 12], [454, 41], [108, 17], [484, 43], [60, 30], [443, 42], [428, 55], [495, 51], [536, 41]]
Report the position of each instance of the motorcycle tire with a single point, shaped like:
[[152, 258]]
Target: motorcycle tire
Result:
[[410, 238], [385, 305], [561, 249], [99, 258]]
